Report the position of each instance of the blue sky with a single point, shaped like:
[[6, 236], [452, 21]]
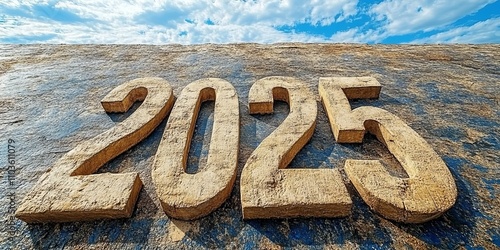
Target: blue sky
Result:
[[235, 21]]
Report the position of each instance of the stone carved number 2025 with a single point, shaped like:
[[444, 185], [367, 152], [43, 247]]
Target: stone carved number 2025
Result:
[[71, 192]]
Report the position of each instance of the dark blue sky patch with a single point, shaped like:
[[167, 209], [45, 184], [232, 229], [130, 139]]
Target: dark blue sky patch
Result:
[[326, 30], [488, 12], [209, 22]]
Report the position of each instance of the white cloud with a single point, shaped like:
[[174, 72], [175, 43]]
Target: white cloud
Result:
[[186, 21], [53, 32], [482, 32], [403, 16], [147, 21], [399, 17], [357, 35], [275, 12]]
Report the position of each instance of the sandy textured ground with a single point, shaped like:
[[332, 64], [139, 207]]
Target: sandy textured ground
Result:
[[50, 102]]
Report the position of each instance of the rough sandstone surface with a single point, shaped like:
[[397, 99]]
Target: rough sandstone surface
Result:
[[191, 196], [50, 104], [430, 189], [268, 190], [68, 191]]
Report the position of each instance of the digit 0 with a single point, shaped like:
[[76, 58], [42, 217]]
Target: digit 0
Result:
[[190, 196], [430, 189], [69, 191], [268, 190]]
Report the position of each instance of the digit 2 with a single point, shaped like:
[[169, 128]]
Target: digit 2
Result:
[[268, 190], [69, 191]]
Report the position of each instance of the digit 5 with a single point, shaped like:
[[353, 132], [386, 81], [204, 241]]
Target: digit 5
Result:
[[268, 190], [69, 191], [430, 189]]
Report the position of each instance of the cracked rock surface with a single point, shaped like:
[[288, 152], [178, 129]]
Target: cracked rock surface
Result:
[[449, 94]]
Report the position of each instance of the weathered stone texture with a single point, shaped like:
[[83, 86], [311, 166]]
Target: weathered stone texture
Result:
[[190, 196], [50, 104], [67, 192], [268, 190], [430, 189]]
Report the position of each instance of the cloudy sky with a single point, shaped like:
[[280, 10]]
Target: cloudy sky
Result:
[[234, 21]]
